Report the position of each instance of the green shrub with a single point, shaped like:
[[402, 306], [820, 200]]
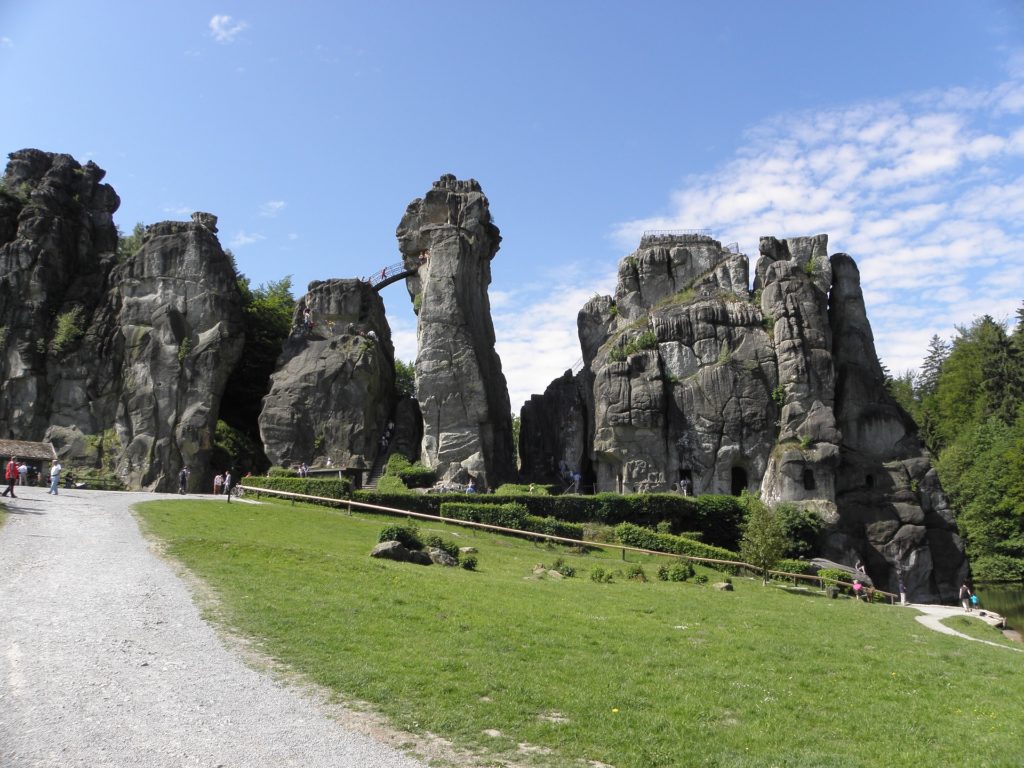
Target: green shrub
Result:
[[391, 484], [681, 570], [283, 472], [601, 576], [184, 348], [830, 577], [636, 573], [325, 487], [469, 562], [794, 566], [700, 578], [413, 475], [802, 528], [436, 542], [516, 489], [717, 518], [644, 538], [563, 568], [407, 534], [663, 526], [67, 331], [504, 515]]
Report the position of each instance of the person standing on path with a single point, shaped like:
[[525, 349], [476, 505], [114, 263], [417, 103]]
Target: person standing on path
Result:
[[55, 477], [183, 481], [227, 484], [11, 476], [23, 474]]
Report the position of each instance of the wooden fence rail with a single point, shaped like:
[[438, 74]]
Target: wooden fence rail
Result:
[[549, 537]]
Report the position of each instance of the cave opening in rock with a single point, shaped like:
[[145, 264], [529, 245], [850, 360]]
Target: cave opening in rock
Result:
[[739, 481], [809, 484]]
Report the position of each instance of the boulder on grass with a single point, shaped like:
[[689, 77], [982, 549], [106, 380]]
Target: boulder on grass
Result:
[[391, 550], [440, 557]]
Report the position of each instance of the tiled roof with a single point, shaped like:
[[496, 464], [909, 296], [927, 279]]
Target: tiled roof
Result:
[[24, 449]]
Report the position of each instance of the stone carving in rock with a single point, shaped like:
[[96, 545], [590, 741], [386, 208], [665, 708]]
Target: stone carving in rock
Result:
[[119, 364], [692, 382], [332, 395], [448, 239]]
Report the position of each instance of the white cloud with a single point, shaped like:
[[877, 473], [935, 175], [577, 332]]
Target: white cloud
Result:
[[535, 326], [225, 29], [178, 210], [926, 193], [243, 238], [6, 42], [272, 208]]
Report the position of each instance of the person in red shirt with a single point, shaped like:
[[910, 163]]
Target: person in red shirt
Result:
[[11, 475]]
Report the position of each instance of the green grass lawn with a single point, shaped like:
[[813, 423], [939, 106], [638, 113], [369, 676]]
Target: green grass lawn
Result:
[[626, 673]]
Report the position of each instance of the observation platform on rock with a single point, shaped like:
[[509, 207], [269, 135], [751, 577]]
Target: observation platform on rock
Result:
[[651, 237]]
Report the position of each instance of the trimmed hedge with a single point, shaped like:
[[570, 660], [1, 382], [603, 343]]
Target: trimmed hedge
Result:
[[511, 516], [716, 518], [644, 538], [328, 487], [795, 566]]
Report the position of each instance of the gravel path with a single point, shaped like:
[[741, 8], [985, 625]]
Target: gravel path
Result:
[[105, 660], [932, 616]]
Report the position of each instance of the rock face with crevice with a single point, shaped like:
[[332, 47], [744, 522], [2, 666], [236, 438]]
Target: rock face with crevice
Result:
[[692, 382], [332, 395], [121, 363], [447, 239]]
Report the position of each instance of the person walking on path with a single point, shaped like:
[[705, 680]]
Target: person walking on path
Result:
[[11, 476], [218, 483], [55, 476], [183, 481], [965, 596]]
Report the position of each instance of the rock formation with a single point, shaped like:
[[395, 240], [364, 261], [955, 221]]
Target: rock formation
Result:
[[118, 363], [692, 382], [447, 240], [332, 395]]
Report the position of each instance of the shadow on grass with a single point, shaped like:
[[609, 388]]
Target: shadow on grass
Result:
[[803, 592]]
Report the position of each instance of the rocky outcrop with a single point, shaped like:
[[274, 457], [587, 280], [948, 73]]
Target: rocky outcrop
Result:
[[332, 395], [119, 361], [692, 382], [891, 511], [553, 440], [447, 239]]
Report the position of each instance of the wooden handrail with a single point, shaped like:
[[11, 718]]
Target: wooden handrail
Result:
[[550, 537]]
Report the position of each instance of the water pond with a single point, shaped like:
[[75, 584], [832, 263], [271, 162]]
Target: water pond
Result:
[[1004, 599]]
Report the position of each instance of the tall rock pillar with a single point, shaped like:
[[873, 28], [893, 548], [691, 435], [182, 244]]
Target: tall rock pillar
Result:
[[447, 240]]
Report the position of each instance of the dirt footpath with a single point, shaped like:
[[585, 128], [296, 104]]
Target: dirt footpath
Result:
[[105, 660]]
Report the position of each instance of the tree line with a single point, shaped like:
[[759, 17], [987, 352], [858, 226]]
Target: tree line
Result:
[[968, 401]]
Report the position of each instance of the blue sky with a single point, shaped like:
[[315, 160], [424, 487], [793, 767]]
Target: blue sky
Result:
[[896, 128]]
